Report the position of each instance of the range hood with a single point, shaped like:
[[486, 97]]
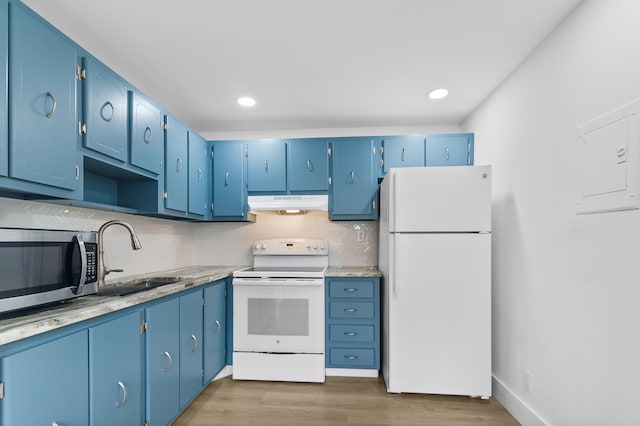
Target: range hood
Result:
[[288, 203]]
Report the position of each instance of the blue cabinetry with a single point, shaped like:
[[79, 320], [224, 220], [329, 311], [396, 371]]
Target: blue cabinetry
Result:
[[176, 176], [403, 151], [105, 110], [163, 362], [47, 384], [267, 166], [4, 52], [449, 150], [214, 329], [190, 346], [116, 383], [229, 188], [352, 323], [307, 165], [353, 192], [146, 136], [198, 175], [42, 94]]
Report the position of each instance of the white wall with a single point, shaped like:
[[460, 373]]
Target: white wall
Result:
[[566, 288]]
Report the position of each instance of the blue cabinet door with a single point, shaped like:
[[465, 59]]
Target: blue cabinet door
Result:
[[449, 150], [197, 174], [267, 166], [163, 362], [403, 151], [105, 111], [190, 346], [176, 176], [47, 384], [353, 191], [307, 165], [42, 95], [146, 136], [229, 190], [115, 371], [214, 329], [4, 49]]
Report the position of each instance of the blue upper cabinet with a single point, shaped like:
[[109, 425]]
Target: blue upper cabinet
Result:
[[146, 138], [4, 49], [105, 110], [267, 166], [176, 173], [42, 94], [47, 384], [403, 151], [307, 165], [353, 191], [229, 188], [198, 175], [449, 150]]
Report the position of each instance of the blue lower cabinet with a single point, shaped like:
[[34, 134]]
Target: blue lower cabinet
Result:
[[47, 384], [163, 362], [116, 385], [352, 335], [214, 329], [190, 346]]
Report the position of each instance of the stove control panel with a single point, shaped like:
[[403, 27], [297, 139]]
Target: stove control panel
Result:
[[290, 246]]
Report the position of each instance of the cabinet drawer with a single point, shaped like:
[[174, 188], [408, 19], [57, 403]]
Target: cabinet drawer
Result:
[[360, 310], [351, 288], [352, 357], [351, 333]]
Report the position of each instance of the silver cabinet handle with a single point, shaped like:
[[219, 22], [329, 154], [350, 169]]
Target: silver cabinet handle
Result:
[[219, 327], [266, 166], [351, 357], [54, 424], [178, 165], [226, 179], [195, 343], [350, 290], [446, 150], [199, 174], [113, 112], [308, 164], [350, 333], [353, 177], [168, 355], [123, 388], [148, 135], [350, 310], [402, 155], [54, 104]]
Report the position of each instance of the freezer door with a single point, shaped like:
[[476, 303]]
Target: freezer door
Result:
[[439, 199], [438, 314]]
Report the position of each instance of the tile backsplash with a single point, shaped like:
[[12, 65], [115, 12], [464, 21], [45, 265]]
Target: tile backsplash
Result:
[[168, 244]]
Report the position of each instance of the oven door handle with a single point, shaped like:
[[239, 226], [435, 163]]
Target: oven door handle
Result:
[[83, 264], [276, 283]]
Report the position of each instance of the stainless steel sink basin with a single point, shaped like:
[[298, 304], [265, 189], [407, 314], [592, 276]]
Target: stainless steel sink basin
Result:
[[135, 286]]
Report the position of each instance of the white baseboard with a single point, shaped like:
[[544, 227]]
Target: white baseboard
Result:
[[519, 409], [351, 372]]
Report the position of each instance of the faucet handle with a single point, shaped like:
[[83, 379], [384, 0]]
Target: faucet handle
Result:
[[108, 270]]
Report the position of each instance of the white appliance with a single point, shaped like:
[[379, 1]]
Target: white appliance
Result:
[[435, 257], [278, 312]]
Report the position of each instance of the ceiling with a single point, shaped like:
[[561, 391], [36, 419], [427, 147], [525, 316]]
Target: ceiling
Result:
[[310, 64]]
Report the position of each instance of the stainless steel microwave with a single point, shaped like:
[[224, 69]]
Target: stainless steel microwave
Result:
[[39, 266]]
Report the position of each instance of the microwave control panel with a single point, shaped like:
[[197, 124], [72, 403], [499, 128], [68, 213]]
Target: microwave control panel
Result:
[[92, 263]]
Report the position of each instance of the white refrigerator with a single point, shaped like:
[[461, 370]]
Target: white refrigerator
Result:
[[435, 257]]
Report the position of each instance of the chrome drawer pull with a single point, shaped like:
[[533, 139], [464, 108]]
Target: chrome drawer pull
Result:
[[351, 357], [350, 290], [350, 333], [148, 135], [350, 310], [219, 327], [113, 111], [54, 104], [124, 394], [168, 355], [195, 343]]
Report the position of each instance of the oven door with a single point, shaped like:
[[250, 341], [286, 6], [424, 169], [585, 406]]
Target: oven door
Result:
[[278, 315]]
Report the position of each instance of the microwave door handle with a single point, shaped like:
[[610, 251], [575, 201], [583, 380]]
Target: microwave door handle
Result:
[[83, 263]]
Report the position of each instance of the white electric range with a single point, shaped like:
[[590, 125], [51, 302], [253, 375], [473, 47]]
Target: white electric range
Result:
[[278, 312]]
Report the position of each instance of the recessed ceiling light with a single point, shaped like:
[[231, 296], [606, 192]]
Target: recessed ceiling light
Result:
[[246, 101], [438, 93]]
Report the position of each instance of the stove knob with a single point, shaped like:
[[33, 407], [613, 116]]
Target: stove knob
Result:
[[264, 246], [257, 246]]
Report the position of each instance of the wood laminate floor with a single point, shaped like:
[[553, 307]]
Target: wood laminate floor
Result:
[[339, 401]]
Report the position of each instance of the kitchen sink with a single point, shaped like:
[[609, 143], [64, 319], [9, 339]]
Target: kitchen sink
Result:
[[136, 286]]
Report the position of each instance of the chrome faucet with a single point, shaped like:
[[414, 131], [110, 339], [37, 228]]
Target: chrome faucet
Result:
[[135, 244]]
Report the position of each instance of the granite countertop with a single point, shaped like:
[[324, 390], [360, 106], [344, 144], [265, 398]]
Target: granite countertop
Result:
[[353, 271], [20, 325]]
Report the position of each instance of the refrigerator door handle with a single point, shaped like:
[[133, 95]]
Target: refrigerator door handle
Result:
[[392, 266]]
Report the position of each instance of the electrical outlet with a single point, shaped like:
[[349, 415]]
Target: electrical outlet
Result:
[[361, 235], [527, 381]]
